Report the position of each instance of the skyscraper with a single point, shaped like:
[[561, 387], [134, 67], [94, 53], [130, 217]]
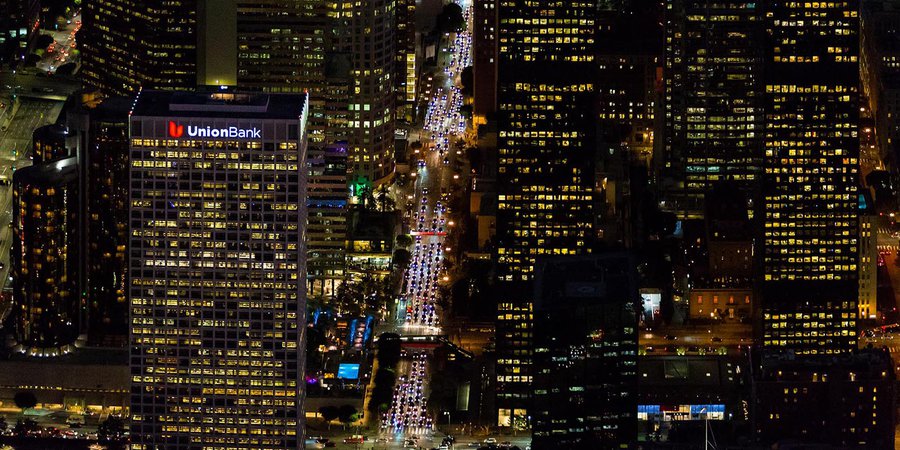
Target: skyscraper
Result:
[[585, 341], [216, 274], [368, 37], [810, 231], [103, 151], [406, 61], [131, 44], [298, 54], [546, 146], [48, 311], [328, 209], [18, 22], [484, 60], [713, 99]]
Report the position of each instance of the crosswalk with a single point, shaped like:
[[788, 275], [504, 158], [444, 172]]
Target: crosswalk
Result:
[[888, 247]]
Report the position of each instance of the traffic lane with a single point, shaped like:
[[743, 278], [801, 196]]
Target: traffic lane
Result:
[[889, 285], [722, 336]]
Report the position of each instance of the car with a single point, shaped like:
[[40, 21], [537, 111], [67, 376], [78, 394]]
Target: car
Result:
[[381, 440], [669, 337], [474, 444], [75, 421], [355, 439], [716, 339], [490, 440]]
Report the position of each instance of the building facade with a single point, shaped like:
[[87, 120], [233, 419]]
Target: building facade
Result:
[[102, 147], [130, 44], [585, 352], [328, 215], [546, 146], [846, 402], [19, 20], [216, 270], [301, 55], [810, 214], [48, 311], [713, 99], [484, 60], [868, 258]]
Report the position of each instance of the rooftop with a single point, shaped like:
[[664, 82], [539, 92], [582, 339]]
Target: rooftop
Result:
[[222, 102]]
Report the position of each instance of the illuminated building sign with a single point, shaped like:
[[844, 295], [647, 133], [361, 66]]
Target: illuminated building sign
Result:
[[176, 131]]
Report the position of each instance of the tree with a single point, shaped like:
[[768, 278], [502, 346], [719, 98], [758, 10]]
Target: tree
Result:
[[111, 428], [385, 202], [402, 258], [389, 348], [404, 240], [383, 390], [450, 20], [347, 414], [66, 70], [24, 426], [31, 60], [43, 41], [467, 79], [329, 413], [25, 399]]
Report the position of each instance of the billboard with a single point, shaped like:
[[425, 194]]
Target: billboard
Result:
[[348, 371]]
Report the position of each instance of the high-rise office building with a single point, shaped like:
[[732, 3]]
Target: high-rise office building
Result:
[[48, 312], [292, 47], [49, 143], [880, 71], [129, 44], [484, 60], [809, 248], [712, 99], [546, 148], [368, 37], [406, 61], [585, 352], [102, 148], [328, 209], [868, 258], [18, 23], [216, 273], [629, 44]]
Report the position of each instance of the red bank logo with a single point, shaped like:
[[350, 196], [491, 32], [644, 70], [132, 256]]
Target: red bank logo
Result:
[[175, 130]]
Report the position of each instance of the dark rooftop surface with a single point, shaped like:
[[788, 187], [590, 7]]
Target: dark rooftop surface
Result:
[[62, 171], [223, 103]]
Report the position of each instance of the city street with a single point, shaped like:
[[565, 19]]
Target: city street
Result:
[[436, 173], [695, 339], [60, 52]]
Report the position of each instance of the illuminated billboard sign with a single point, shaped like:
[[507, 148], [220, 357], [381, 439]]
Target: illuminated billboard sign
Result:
[[348, 371], [177, 130]]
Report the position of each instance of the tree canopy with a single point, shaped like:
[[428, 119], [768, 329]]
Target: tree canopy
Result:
[[450, 20]]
